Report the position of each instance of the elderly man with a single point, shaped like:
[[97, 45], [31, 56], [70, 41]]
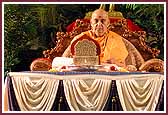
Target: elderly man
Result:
[[113, 49]]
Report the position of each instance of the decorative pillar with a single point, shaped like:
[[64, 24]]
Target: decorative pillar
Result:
[[102, 6], [111, 7]]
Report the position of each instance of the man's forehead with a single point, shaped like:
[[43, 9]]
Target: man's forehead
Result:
[[100, 15]]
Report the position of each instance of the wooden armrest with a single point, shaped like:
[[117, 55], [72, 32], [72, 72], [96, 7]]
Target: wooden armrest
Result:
[[153, 65], [41, 64]]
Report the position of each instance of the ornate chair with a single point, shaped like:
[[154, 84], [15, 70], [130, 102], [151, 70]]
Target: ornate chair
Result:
[[140, 55]]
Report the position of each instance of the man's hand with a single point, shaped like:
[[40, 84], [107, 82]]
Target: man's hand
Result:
[[114, 61]]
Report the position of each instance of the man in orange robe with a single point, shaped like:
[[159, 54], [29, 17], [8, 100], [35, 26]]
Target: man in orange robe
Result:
[[113, 49]]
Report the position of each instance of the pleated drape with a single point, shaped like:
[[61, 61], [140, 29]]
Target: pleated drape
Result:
[[35, 94], [141, 94], [87, 95]]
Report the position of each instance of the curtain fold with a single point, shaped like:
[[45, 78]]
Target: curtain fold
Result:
[[139, 94], [35, 94], [5, 94], [87, 95]]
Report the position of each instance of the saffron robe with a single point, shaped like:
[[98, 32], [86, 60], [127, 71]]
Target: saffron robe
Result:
[[112, 46]]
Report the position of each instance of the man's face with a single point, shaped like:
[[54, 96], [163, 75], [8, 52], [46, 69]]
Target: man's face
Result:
[[99, 23]]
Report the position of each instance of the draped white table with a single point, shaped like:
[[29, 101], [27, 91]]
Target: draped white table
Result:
[[84, 91]]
